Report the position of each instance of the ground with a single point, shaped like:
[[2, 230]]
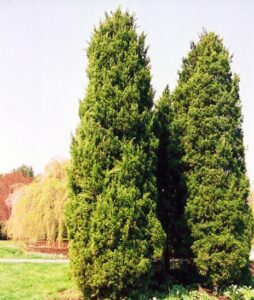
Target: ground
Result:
[[33, 281], [51, 281]]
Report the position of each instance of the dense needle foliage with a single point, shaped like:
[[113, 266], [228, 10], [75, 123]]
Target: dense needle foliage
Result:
[[170, 182], [111, 216], [208, 122]]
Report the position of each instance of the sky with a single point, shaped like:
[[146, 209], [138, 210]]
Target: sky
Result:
[[43, 64]]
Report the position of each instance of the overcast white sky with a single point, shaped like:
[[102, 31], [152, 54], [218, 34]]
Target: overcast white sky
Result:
[[43, 61]]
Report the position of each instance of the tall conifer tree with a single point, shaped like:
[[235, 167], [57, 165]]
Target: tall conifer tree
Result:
[[209, 123], [171, 185], [111, 216]]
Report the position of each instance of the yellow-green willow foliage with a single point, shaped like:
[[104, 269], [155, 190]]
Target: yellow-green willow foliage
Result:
[[39, 213]]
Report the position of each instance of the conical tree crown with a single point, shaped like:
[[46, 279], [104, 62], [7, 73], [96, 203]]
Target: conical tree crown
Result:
[[111, 216], [119, 76], [209, 119]]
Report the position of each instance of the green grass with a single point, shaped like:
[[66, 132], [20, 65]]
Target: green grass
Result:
[[10, 249], [35, 282], [31, 281]]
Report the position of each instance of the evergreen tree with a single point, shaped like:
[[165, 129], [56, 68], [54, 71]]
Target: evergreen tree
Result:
[[111, 215], [208, 121], [171, 185]]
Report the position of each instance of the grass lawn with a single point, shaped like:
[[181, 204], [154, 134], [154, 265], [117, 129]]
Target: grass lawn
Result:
[[10, 249], [35, 282], [32, 281]]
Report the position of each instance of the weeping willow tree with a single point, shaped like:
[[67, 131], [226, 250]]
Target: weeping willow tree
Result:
[[38, 210], [111, 217]]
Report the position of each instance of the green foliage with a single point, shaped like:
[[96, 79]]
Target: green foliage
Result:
[[170, 181], [111, 216], [25, 171], [235, 292], [39, 212], [208, 122], [179, 292]]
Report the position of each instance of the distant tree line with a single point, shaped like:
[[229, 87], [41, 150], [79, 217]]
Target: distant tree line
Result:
[[25, 170]]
